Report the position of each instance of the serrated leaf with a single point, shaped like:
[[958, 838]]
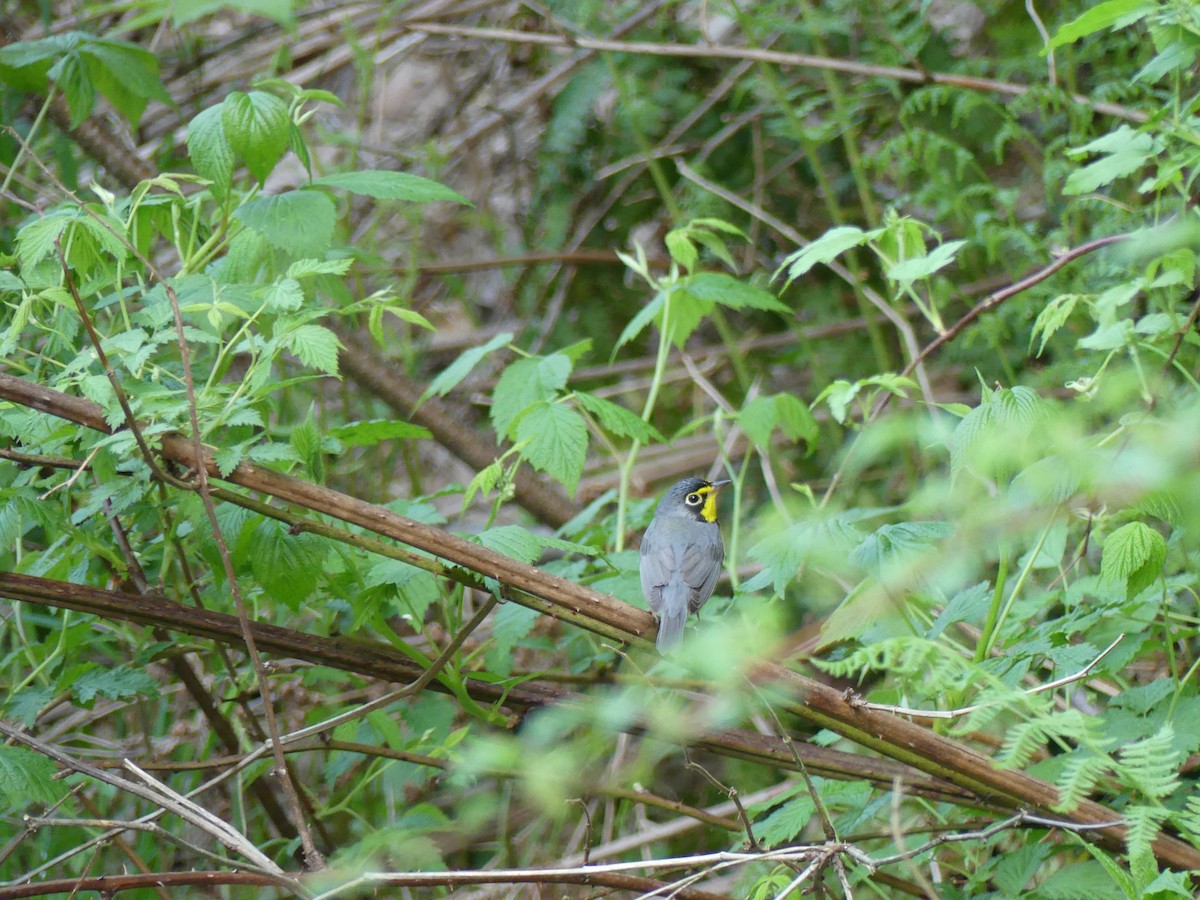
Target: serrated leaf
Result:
[[826, 248], [619, 420], [385, 185], [910, 270], [286, 565], [315, 346], [514, 542], [681, 249], [449, 377], [1134, 554], [256, 126], [510, 623], [371, 432], [638, 323], [484, 481], [524, 383], [785, 822], [1053, 317], [303, 268], [717, 287], [300, 222], [1123, 151], [556, 442], [116, 684], [524, 545], [284, 294], [27, 777]]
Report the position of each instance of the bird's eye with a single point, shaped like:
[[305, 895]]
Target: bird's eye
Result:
[[693, 500]]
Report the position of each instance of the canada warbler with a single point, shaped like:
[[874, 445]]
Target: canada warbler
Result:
[[681, 556]]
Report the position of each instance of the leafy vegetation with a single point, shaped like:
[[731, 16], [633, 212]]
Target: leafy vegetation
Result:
[[335, 402]]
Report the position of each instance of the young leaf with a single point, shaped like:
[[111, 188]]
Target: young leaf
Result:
[[256, 125], [827, 247], [315, 346], [637, 324], [209, 149], [385, 185], [1135, 554], [556, 439], [449, 377], [718, 287], [1053, 317], [910, 270]]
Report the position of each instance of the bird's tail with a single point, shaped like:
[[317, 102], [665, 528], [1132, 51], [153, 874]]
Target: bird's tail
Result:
[[673, 615]]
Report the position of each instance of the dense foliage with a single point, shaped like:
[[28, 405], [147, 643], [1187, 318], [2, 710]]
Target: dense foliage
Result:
[[347, 349]]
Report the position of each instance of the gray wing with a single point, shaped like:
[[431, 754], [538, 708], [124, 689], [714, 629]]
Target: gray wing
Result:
[[701, 567], [656, 567]]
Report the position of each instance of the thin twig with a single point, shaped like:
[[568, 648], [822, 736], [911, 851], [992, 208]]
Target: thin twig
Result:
[[967, 710], [800, 60]]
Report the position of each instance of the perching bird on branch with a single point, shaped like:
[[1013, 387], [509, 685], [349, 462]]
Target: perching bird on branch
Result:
[[681, 556]]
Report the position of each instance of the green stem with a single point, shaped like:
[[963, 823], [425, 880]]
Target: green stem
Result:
[[660, 366], [33, 130], [989, 627]]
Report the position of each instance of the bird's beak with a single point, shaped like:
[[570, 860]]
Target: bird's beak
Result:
[[717, 485]]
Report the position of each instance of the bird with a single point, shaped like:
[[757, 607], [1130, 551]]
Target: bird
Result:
[[681, 556]]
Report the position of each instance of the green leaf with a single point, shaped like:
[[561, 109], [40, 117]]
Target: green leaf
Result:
[[786, 821], [826, 248], [1053, 317], [284, 294], [371, 432], [256, 125], [638, 323], [510, 624], [1085, 881], [726, 290], [286, 565], [1099, 17], [556, 439], [124, 73], [209, 149], [300, 222], [385, 185], [27, 777], [617, 419], [522, 544], [763, 415], [1125, 151], [1134, 554], [449, 377], [524, 383], [116, 684], [681, 249], [918, 267], [315, 346]]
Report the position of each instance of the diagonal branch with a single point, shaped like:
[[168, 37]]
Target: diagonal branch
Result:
[[813, 701]]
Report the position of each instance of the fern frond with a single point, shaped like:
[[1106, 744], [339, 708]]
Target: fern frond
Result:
[[1151, 764]]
